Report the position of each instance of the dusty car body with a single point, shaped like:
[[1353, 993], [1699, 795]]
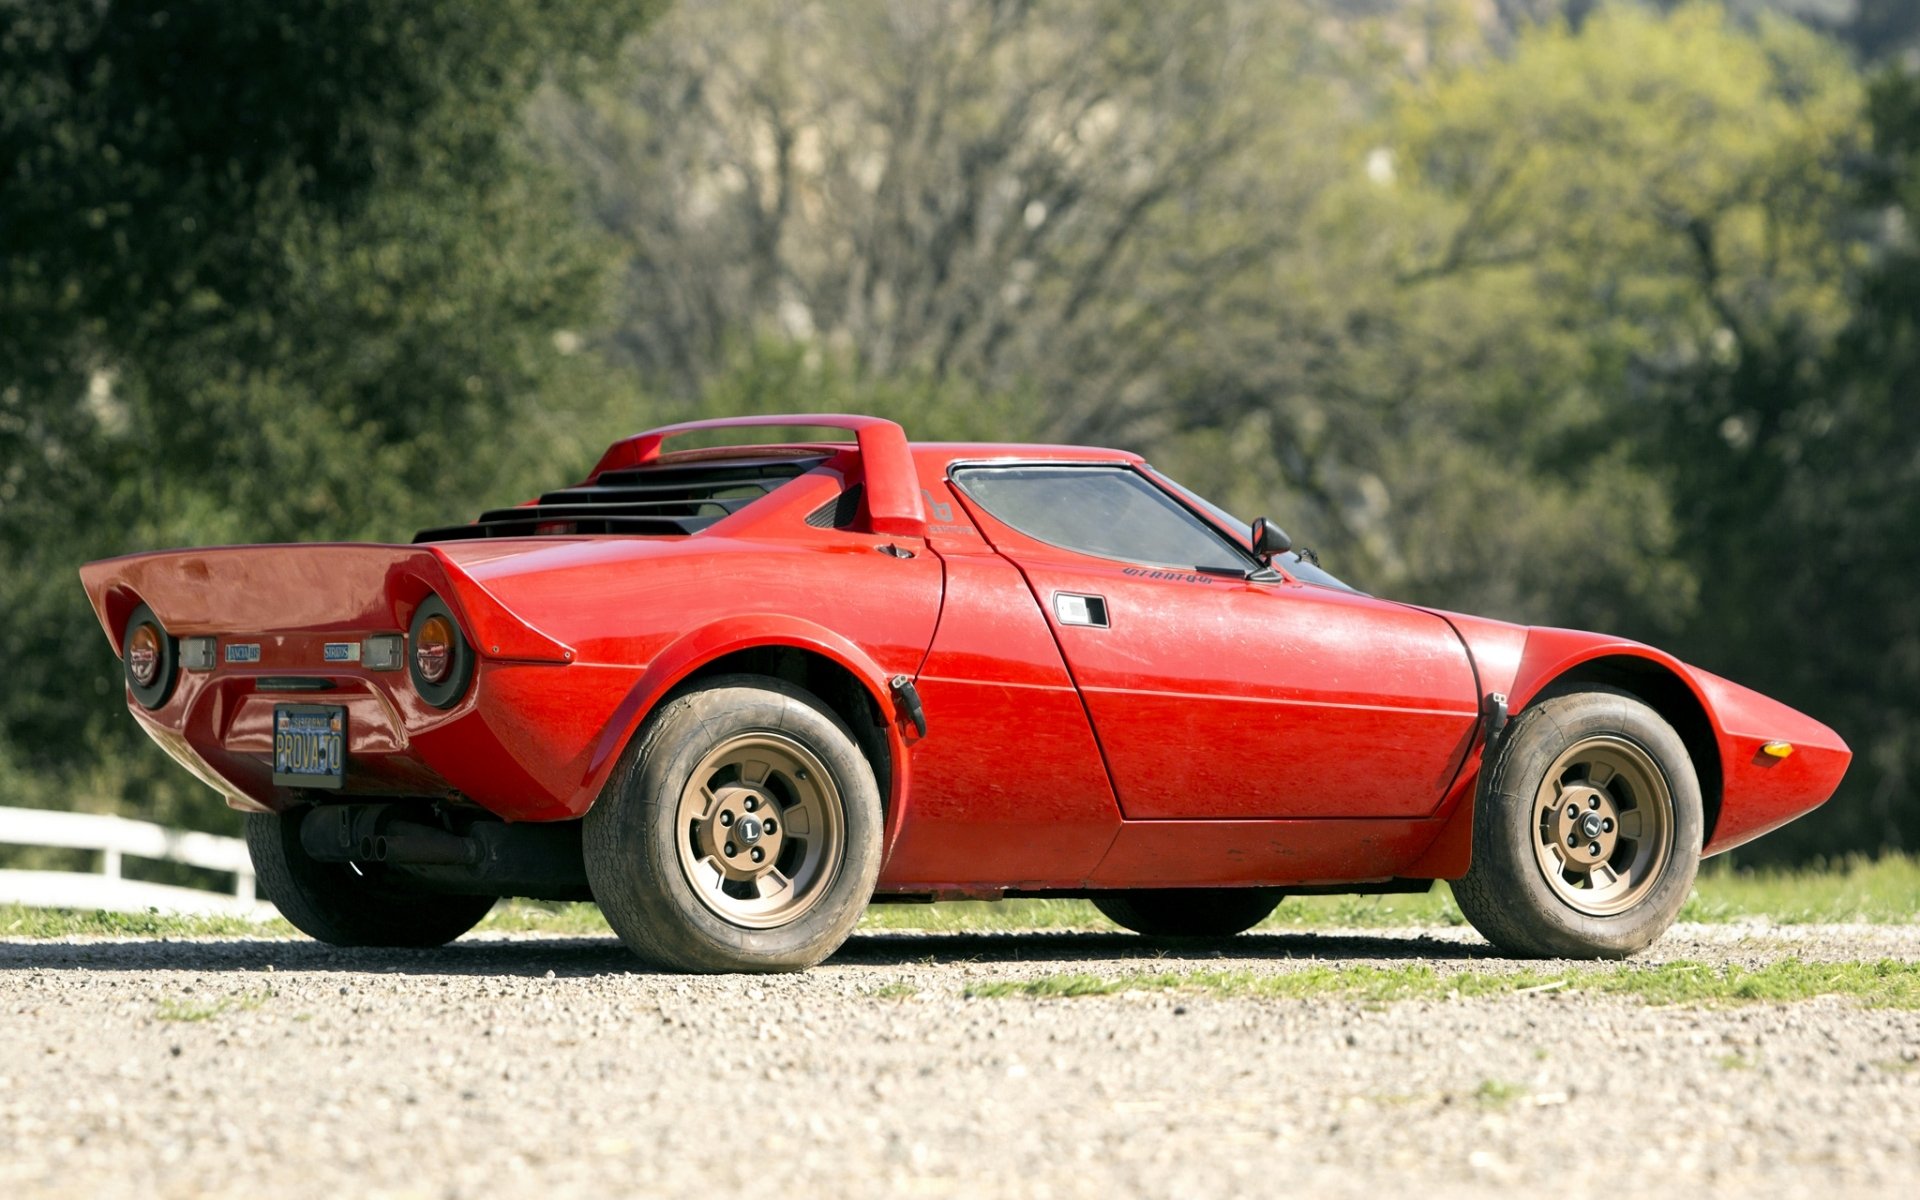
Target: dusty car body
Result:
[[1060, 673]]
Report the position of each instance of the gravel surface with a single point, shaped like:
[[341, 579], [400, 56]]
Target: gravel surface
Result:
[[512, 1065]]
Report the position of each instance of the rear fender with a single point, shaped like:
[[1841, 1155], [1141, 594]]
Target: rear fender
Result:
[[685, 656]]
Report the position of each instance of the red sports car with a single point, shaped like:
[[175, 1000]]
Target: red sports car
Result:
[[735, 694]]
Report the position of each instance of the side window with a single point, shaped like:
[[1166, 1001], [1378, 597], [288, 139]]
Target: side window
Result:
[[1108, 512]]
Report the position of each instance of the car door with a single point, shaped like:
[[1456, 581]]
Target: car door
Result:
[[1213, 692]]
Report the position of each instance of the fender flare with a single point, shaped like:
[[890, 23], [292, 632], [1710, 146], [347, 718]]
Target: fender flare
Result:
[[690, 652], [1540, 664]]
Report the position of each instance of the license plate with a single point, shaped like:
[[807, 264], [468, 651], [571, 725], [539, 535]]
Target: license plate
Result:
[[309, 745]]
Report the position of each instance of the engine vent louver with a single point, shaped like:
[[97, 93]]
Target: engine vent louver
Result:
[[839, 512], [658, 499]]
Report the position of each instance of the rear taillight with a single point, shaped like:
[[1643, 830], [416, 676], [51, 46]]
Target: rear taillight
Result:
[[151, 658], [433, 649], [440, 661], [143, 655]]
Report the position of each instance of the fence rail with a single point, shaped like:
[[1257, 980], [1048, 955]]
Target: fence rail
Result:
[[115, 838]]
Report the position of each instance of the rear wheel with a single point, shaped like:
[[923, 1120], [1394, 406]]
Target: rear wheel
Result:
[[1189, 912], [740, 833], [1588, 831], [347, 906]]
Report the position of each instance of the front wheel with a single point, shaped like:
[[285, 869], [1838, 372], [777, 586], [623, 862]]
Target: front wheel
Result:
[[740, 833], [1588, 832], [345, 905], [1189, 912]]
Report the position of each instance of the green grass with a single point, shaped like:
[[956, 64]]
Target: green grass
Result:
[[1876, 891], [1857, 889], [1888, 983], [17, 921], [187, 1010], [1882, 891]]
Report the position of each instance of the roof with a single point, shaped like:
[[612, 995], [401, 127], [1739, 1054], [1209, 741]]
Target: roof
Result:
[[889, 461]]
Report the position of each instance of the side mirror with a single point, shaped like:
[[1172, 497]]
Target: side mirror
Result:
[[1269, 539]]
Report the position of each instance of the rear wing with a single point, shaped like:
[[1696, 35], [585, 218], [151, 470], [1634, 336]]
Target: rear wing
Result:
[[892, 485]]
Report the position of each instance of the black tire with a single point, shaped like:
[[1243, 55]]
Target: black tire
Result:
[[1189, 912], [333, 903], [644, 852], [1526, 906]]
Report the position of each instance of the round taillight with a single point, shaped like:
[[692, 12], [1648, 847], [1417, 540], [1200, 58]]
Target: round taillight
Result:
[[442, 662], [143, 655], [433, 649], [150, 658]]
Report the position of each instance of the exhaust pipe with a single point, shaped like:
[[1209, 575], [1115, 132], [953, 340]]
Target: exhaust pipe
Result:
[[407, 844]]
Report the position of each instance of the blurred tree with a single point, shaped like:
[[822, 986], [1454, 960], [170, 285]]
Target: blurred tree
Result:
[[266, 272]]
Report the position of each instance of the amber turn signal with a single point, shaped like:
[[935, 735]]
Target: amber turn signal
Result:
[[1777, 749]]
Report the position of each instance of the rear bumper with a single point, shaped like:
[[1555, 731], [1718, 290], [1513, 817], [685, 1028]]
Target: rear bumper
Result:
[[519, 745]]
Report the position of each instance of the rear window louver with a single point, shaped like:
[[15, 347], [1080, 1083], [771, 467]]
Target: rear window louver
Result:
[[658, 499]]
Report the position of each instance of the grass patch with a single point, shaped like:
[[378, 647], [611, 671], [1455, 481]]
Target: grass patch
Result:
[[22, 922], [1497, 1093], [1883, 891], [1887, 983], [539, 916], [187, 1010], [1875, 891]]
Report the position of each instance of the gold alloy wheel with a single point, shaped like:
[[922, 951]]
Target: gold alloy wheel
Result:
[[762, 830], [1603, 821]]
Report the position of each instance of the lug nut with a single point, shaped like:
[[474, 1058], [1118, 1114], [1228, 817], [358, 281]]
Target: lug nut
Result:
[[767, 825], [1606, 826], [759, 855], [751, 804], [1593, 848], [1593, 802], [1573, 839], [1573, 811], [731, 850], [726, 820]]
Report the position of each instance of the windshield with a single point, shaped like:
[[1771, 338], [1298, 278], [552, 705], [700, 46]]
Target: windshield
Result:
[[1105, 511], [1289, 562]]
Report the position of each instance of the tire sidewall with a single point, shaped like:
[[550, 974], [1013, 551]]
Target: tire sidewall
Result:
[[633, 857], [1506, 833]]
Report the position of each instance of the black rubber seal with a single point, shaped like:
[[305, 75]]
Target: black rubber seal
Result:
[[448, 691], [151, 695]]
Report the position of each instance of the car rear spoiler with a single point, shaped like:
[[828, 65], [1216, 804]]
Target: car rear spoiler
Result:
[[892, 484], [309, 587]]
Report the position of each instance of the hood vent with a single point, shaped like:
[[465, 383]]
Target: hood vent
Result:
[[659, 499]]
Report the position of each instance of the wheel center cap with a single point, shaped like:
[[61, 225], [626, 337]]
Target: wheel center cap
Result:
[[1590, 825], [747, 830]]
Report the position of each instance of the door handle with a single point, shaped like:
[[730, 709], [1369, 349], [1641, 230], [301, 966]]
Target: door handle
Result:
[[1073, 608]]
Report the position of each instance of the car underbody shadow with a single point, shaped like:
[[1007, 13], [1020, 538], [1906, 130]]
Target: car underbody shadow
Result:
[[580, 956]]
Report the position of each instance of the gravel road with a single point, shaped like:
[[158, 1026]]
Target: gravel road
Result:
[[557, 1066]]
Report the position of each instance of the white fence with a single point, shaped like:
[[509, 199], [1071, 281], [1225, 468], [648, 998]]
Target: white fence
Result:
[[113, 838]]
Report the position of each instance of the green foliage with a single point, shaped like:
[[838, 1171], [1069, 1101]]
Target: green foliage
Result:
[[277, 272], [1573, 312]]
